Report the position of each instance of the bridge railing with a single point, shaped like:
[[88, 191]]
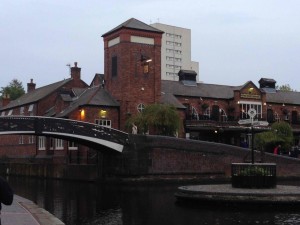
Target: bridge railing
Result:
[[44, 126]]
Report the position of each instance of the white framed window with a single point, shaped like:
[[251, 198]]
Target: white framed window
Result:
[[195, 114], [140, 107], [169, 66], [22, 110], [59, 144], [171, 74], [223, 115], [31, 139], [276, 117], [42, 143], [3, 113], [168, 50], [245, 106], [21, 139], [207, 113], [10, 112], [103, 122], [73, 145], [169, 42], [30, 109]]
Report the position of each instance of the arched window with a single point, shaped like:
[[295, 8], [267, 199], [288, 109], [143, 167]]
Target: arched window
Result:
[[223, 115], [195, 115], [276, 117], [207, 113]]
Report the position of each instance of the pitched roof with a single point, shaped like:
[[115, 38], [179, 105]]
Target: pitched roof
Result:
[[286, 97], [168, 98], [93, 96], [135, 25], [36, 95], [200, 90]]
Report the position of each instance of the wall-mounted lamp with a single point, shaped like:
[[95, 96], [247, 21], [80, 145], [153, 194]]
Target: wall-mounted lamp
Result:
[[145, 63], [145, 59], [103, 113], [82, 114], [283, 104]]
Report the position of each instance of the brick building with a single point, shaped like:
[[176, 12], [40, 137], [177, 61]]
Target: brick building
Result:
[[132, 80]]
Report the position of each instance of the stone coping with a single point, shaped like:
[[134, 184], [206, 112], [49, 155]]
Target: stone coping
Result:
[[225, 193]]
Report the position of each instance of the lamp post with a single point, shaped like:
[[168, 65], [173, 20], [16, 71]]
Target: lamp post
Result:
[[252, 114]]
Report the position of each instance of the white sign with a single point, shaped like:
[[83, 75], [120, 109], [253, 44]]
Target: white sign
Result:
[[246, 121], [260, 123], [252, 113]]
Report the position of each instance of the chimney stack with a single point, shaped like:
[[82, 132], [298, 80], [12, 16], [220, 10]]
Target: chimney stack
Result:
[[30, 86], [5, 99], [75, 72]]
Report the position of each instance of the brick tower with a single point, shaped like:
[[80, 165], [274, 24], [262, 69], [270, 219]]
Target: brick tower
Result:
[[132, 66]]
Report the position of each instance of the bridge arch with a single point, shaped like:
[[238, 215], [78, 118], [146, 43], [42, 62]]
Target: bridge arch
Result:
[[88, 134]]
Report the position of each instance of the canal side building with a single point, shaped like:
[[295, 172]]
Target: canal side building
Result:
[[131, 81]]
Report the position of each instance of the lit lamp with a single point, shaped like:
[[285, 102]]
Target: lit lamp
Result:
[[82, 114], [103, 113]]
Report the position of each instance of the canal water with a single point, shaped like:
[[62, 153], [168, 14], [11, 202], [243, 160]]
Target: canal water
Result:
[[80, 203]]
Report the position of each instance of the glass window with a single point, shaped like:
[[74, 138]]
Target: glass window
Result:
[[31, 139], [59, 144], [244, 108], [42, 143], [141, 107], [103, 122], [73, 145], [22, 110], [21, 139]]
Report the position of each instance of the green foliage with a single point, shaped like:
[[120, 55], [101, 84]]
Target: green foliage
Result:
[[281, 133], [253, 171], [163, 119], [285, 87], [14, 89]]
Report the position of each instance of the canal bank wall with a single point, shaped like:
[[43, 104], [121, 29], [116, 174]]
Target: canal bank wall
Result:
[[156, 158]]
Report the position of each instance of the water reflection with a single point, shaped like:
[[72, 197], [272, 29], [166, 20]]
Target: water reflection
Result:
[[91, 204]]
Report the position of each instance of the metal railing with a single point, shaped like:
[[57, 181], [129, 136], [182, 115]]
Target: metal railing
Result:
[[257, 175]]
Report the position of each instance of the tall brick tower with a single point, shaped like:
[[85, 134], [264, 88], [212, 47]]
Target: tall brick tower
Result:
[[132, 66]]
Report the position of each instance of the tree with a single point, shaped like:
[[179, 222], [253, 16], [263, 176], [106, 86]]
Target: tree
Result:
[[280, 133], [285, 87], [14, 89], [161, 118]]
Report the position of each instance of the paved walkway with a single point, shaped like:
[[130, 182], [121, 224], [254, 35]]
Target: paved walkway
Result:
[[25, 212]]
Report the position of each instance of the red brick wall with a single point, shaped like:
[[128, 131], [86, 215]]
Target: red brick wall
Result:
[[131, 86]]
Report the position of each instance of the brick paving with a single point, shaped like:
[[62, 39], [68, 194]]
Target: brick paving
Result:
[[25, 212]]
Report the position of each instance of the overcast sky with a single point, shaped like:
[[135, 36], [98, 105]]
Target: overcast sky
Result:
[[234, 41]]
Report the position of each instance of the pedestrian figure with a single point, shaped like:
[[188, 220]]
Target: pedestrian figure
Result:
[[277, 150], [134, 129], [6, 194]]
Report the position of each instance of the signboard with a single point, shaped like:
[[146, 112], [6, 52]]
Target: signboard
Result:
[[246, 121], [260, 123]]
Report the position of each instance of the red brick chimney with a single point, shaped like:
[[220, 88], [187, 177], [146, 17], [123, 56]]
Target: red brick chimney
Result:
[[5, 100], [75, 72], [30, 86]]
